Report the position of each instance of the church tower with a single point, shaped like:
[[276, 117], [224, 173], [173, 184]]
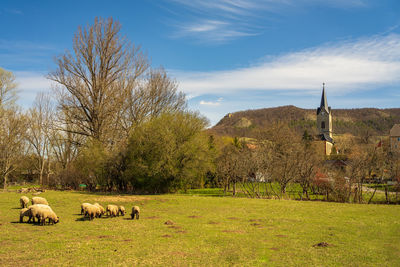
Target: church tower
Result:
[[324, 118]]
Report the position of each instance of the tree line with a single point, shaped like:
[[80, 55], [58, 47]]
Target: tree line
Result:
[[113, 122]]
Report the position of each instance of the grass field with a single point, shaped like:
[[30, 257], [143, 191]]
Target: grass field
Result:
[[206, 231]]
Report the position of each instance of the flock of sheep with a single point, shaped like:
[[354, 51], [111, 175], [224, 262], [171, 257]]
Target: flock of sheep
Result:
[[41, 210]]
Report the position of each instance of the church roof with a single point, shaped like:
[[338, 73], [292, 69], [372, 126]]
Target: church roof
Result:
[[395, 131]]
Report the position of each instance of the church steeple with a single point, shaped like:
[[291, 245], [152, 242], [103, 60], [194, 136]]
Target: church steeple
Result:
[[324, 102], [324, 118]]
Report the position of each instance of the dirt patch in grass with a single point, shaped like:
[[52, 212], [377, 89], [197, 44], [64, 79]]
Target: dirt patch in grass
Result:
[[174, 227], [256, 224], [127, 240], [322, 245], [233, 218], [281, 235], [194, 216], [169, 222], [166, 236], [103, 236], [212, 222], [181, 232], [276, 249], [121, 199]]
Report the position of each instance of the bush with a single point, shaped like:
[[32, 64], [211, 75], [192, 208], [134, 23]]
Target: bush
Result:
[[168, 153]]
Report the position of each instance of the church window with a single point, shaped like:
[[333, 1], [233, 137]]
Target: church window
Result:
[[323, 125]]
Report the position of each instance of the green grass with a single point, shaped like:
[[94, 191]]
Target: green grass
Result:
[[207, 231]]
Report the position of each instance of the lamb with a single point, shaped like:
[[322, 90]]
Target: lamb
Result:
[[121, 209], [83, 206], [102, 210], [25, 212], [92, 211], [39, 200], [24, 201], [135, 211], [112, 210]]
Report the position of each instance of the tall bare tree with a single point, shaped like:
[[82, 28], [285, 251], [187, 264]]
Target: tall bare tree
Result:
[[39, 126], [7, 88], [12, 137], [153, 96], [95, 80]]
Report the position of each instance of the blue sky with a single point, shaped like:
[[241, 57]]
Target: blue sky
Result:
[[227, 55]]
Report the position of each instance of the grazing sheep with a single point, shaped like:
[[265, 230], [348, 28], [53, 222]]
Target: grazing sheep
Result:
[[24, 201], [112, 210], [102, 210], [135, 211], [83, 206], [121, 210], [92, 211], [45, 213], [25, 212], [35, 211], [39, 200]]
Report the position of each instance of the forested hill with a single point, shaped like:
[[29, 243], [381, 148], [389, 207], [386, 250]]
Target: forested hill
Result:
[[354, 121]]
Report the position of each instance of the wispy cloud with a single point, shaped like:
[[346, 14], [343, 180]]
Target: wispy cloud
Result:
[[351, 65], [211, 103], [29, 84], [220, 21]]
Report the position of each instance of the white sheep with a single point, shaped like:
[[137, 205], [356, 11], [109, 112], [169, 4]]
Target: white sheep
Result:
[[83, 206], [102, 210], [121, 210], [36, 210], [92, 211], [39, 200], [112, 210], [47, 214], [135, 211], [24, 201]]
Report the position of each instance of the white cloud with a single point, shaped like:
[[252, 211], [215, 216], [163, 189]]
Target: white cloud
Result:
[[356, 65], [219, 21], [29, 84], [211, 103]]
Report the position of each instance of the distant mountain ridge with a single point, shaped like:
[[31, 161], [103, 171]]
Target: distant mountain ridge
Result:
[[353, 121]]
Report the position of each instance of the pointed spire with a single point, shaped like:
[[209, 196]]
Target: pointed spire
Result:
[[324, 102]]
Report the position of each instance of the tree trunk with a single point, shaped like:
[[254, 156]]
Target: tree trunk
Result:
[[42, 163], [5, 181]]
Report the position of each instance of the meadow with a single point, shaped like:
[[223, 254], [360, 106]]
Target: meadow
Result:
[[202, 231]]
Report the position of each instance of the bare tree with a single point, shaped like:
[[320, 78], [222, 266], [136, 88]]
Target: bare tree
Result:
[[39, 126], [306, 167], [12, 136], [96, 79], [154, 95], [7, 88]]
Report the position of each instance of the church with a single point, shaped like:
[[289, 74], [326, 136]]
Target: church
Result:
[[324, 125]]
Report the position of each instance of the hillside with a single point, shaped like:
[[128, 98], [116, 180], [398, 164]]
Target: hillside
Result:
[[354, 121]]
